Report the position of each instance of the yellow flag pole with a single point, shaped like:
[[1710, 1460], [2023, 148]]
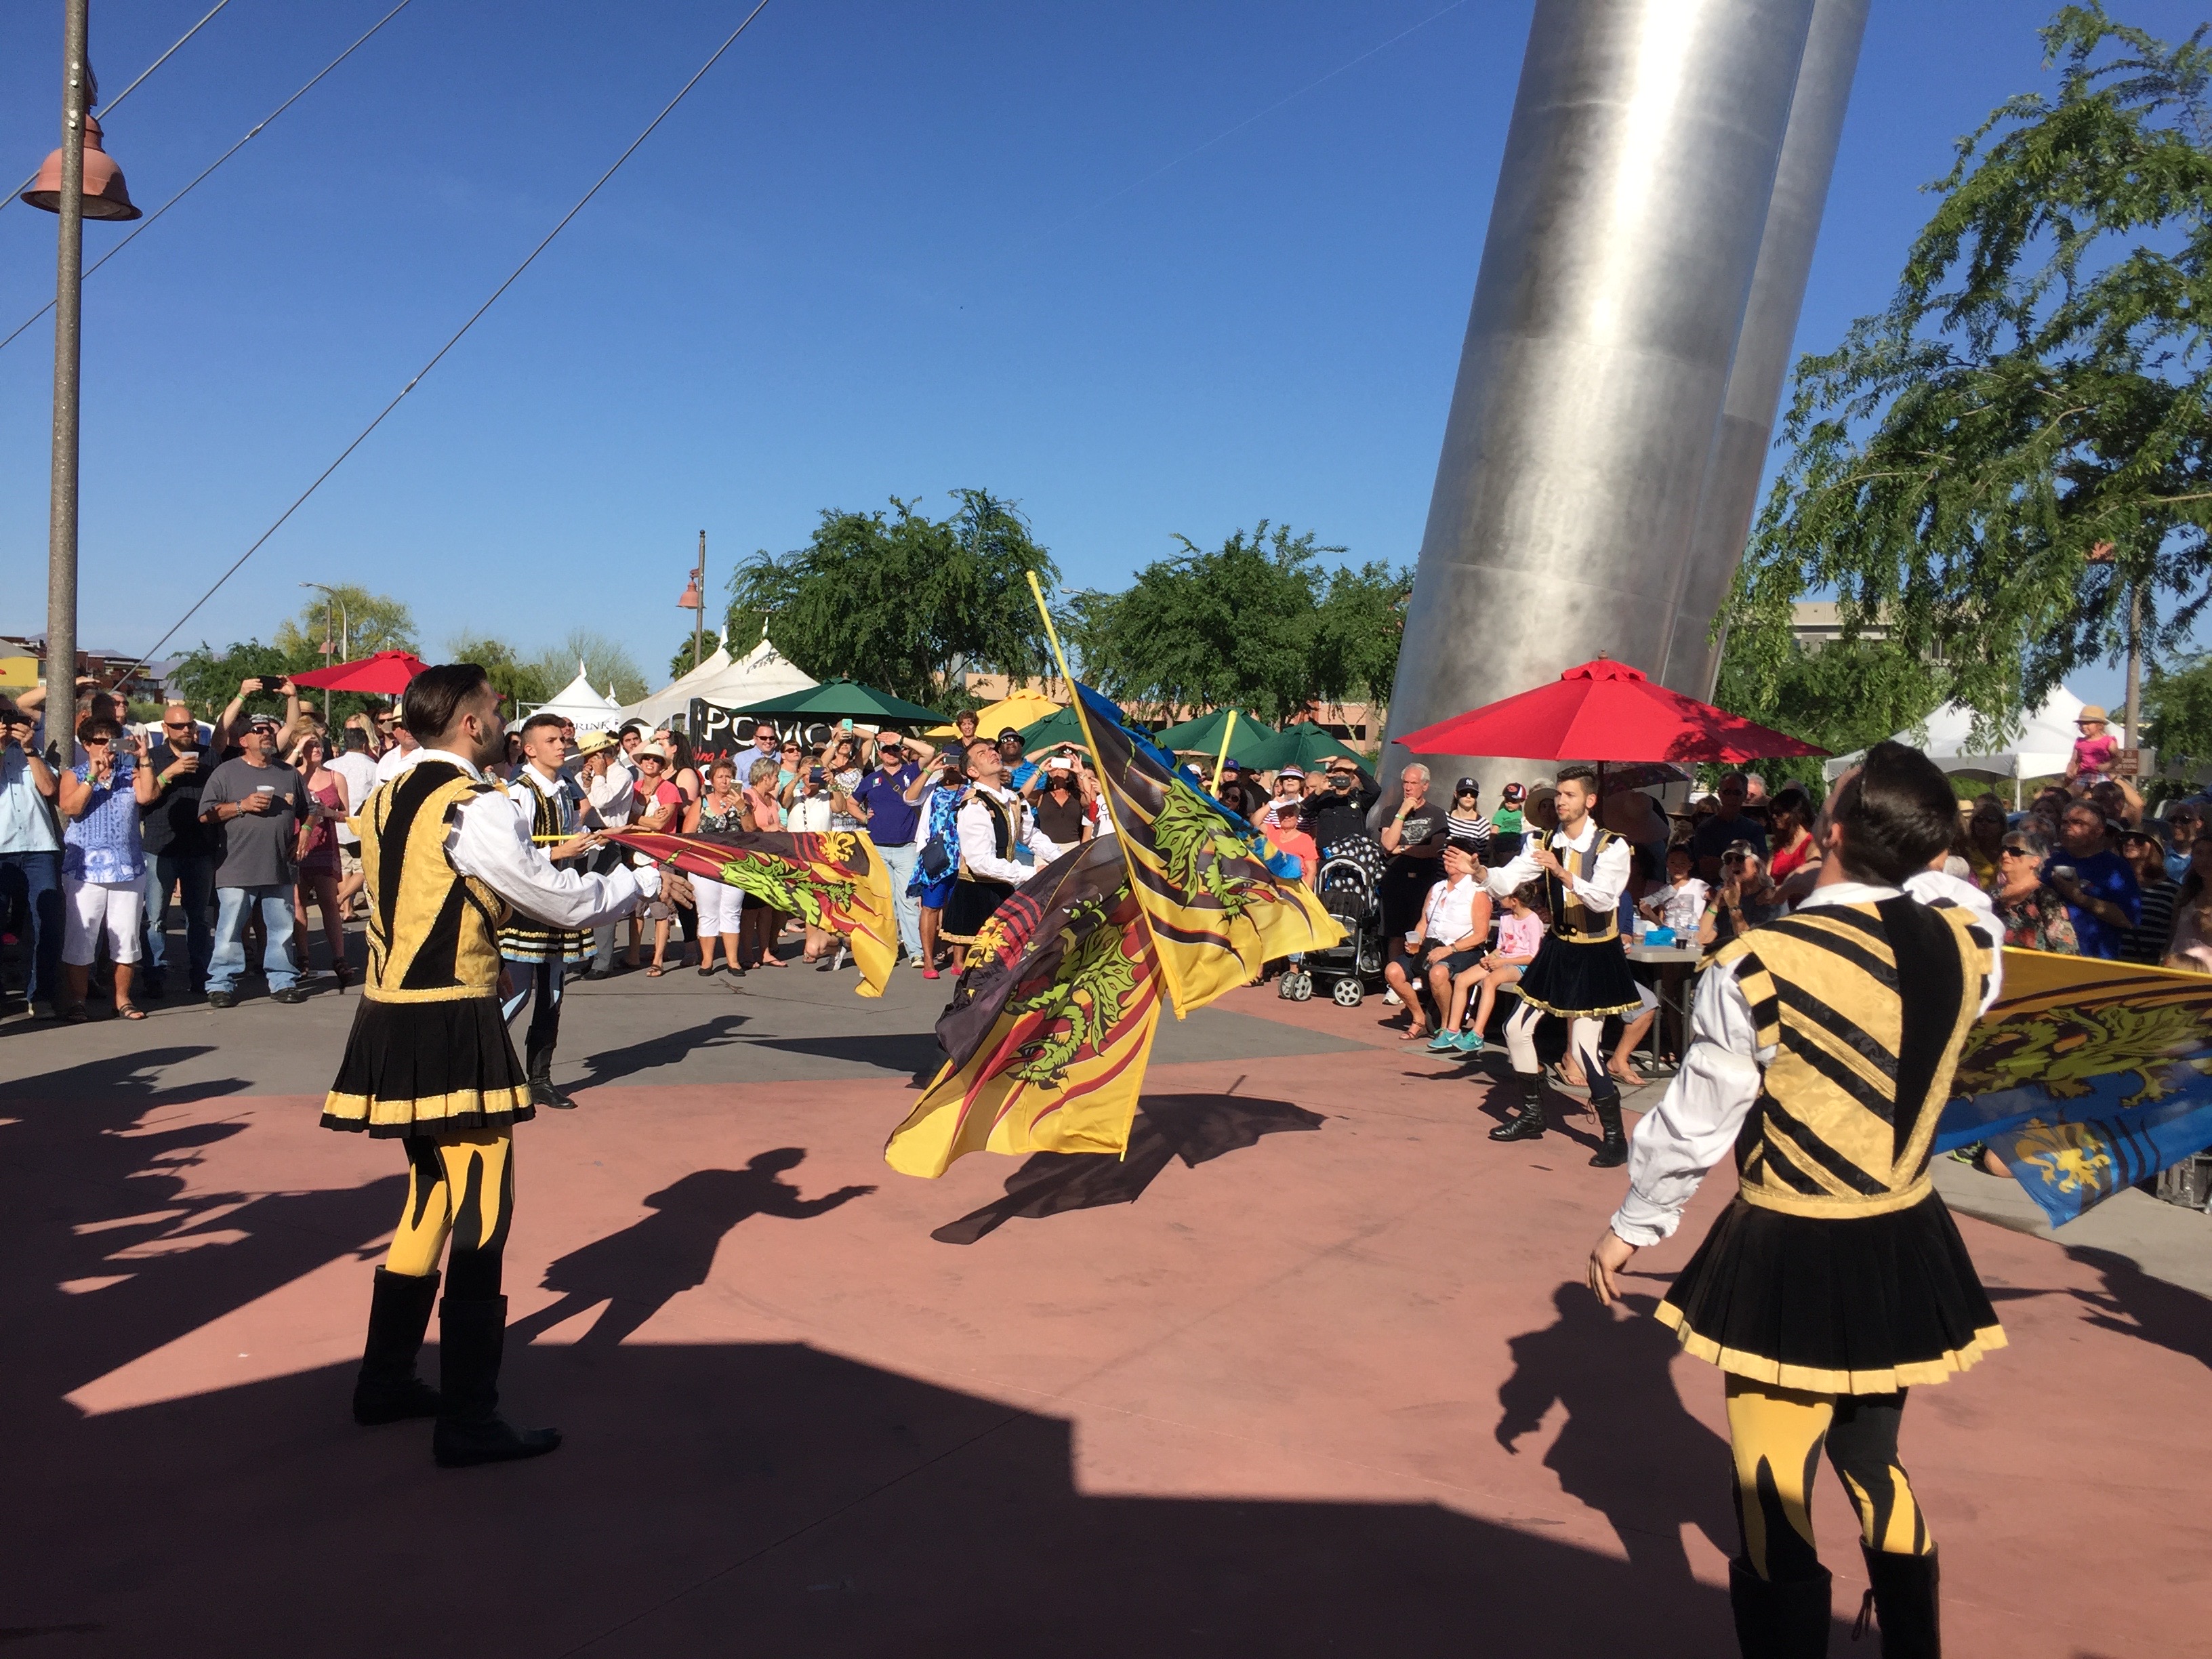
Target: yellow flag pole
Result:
[[1083, 719], [1227, 732]]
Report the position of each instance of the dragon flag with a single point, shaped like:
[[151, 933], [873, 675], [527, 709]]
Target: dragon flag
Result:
[[835, 881], [1049, 1030], [2086, 1077], [1217, 901]]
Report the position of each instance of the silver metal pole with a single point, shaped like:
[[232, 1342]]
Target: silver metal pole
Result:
[[1622, 242], [68, 289], [1730, 495]]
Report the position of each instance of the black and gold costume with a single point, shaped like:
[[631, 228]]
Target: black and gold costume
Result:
[[1837, 1279], [539, 954], [974, 897]]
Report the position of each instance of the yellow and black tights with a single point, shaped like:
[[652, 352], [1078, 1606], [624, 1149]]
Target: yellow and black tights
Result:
[[1777, 1435], [459, 1186]]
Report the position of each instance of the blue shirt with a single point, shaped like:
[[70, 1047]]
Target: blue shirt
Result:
[[2109, 877], [25, 823], [891, 819], [101, 843]]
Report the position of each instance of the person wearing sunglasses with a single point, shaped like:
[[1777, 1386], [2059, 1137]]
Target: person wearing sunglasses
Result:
[[180, 851], [2033, 916], [103, 862], [30, 855]]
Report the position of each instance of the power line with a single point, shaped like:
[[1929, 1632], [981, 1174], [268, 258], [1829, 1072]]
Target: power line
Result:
[[147, 224], [513, 276], [127, 91]]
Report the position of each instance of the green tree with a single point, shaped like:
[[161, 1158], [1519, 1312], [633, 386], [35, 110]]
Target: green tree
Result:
[[607, 663], [1845, 696], [207, 679], [2022, 439], [1357, 628], [2178, 704], [372, 623], [900, 601], [519, 683]]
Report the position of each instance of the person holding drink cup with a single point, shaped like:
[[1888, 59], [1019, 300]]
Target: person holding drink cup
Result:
[[255, 802], [103, 862]]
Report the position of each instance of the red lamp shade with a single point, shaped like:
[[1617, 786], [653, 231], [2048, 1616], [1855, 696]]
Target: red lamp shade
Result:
[[105, 197], [690, 601]]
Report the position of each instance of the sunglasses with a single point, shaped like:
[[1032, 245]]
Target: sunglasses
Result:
[[98, 742]]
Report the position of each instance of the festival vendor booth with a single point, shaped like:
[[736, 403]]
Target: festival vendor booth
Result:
[[715, 711], [578, 702], [673, 700]]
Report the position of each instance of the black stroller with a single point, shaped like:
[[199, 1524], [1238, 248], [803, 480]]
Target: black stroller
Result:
[[1350, 887]]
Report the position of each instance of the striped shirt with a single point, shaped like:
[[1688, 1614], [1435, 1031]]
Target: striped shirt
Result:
[[2145, 942], [1462, 827]]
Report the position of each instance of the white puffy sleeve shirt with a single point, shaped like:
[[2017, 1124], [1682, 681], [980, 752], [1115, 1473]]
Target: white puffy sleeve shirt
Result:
[[489, 840], [979, 846], [1600, 889]]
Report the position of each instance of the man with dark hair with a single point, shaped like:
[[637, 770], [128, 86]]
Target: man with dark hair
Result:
[[429, 1061], [1580, 973], [994, 822], [1715, 834], [1822, 1054], [2103, 898], [535, 954]]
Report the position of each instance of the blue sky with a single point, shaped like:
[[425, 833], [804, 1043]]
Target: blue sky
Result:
[[882, 249]]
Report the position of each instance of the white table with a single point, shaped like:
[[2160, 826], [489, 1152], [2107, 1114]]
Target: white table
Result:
[[1666, 956]]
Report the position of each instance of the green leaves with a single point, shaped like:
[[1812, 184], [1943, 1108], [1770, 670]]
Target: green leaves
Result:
[[2034, 395], [900, 601]]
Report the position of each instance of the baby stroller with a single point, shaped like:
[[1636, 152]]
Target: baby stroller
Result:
[[1350, 887]]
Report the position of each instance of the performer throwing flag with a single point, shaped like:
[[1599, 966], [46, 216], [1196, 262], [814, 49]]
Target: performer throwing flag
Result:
[[445, 856], [1580, 973], [1821, 1051]]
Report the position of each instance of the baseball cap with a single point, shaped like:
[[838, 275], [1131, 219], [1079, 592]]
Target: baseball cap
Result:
[[1516, 792], [1009, 732], [1291, 772], [263, 723], [1467, 787]]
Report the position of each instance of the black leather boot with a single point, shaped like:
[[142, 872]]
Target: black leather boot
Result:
[[471, 1335], [542, 1091], [1785, 1620], [387, 1389], [1530, 1123], [1904, 1603], [1614, 1151]]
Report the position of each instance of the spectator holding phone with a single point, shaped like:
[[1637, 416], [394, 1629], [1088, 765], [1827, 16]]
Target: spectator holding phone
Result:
[[318, 871], [938, 788], [30, 856], [230, 726], [257, 802], [103, 861], [882, 802]]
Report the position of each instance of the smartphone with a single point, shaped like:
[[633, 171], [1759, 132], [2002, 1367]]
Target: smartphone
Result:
[[814, 776]]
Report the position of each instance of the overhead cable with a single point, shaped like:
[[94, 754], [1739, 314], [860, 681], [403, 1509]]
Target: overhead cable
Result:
[[252, 133], [361, 437]]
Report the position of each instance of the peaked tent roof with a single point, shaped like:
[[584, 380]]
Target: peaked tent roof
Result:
[[762, 672], [675, 697], [2040, 749], [578, 702]]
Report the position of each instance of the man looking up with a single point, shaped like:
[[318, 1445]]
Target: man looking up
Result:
[[180, 850], [2102, 895], [429, 1061], [1580, 973], [1717, 834], [880, 803], [994, 822], [30, 857]]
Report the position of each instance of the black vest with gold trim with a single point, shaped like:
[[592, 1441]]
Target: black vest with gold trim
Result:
[[433, 933], [553, 820], [1866, 1007], [1002, 833], [1572, 920]]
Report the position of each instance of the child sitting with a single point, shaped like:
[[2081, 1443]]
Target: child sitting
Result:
[[1679, 903], [1520, 931], [2096, 750]]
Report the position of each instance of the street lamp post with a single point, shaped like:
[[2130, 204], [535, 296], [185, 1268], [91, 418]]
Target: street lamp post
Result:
[[59, 188], [695, 601], [345, 635]]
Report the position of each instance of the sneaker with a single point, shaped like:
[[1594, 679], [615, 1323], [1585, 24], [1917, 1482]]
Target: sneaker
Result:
[[1392, 999], [289, 993], [223, 999], [1470, 1042], [1444, 1043]]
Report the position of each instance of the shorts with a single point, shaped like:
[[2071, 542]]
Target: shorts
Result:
[[349, 858], [1459, 961], [88, 908]]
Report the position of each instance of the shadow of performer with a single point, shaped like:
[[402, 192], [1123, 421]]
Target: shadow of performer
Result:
[[639, 1270], [1194, 1127], [1628, 1449]]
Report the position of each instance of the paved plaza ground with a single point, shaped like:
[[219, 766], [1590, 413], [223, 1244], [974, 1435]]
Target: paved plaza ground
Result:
[[1311, 1371]]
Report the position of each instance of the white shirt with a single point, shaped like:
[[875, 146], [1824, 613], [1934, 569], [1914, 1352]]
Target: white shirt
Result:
[[979, 842], [559, 790], [611, 797], [809, 816], [1697, 1121], [395, 760], [488, 842], [358, 774], [1449, 915], [1600, 891], [1682, 906]]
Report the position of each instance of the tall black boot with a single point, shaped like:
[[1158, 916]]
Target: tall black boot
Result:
[[469, 1428], [1530, 1123], [387, 1389], [1613, 1153], [542, 1091], [1784, 1620], [1905, 1603]]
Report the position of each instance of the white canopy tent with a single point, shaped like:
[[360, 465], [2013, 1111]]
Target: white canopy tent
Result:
[[2040, 749], [577, 702], [676, 696], [762, 672]]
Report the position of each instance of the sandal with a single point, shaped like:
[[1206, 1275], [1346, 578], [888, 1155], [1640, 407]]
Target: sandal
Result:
[[1416, 1033], [77, 1014], [1627, 1074], [128, 1010], [655, 971]]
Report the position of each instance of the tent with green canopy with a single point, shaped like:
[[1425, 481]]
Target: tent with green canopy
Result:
[[843, 700], [1059, 726], [1203, 735], [1305, 745]]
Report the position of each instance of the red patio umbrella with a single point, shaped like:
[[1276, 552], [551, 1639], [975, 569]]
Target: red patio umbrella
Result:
[[1604, 711], [386, 673]]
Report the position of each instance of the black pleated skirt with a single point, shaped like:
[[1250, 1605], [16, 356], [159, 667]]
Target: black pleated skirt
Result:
[[1867, 1305], [1580, 979], [428, 1068], [969, 908]]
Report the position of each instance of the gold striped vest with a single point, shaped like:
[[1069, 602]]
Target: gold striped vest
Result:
[[1867, 1008], [1572, 920], [433, 933]]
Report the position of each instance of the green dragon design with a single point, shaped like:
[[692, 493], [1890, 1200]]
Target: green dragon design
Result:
[[1195, 845], [2065, 1050], [776, 884], [1095, 978]]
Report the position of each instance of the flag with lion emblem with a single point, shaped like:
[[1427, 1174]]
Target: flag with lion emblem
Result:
[[2086, 1077]]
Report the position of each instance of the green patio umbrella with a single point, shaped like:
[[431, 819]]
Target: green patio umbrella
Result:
[[1303, 745], [843, 700], [1203, 735], [1059, 726]]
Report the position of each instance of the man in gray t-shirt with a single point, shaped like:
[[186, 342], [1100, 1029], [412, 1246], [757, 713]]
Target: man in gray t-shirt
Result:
[[256, 801]]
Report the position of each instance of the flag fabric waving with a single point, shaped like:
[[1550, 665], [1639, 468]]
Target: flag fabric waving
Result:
[[1050, 1028], [836, 881], [2086, 1077], [1219, 903]]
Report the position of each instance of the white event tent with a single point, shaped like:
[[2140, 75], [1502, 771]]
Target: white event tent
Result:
[[675, 697], [2040, 749], [762, 672], [578, 702]]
